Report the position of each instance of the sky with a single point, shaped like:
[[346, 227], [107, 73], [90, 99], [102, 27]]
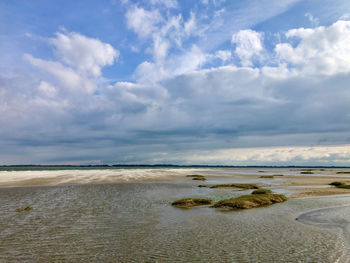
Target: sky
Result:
[[244, 82]]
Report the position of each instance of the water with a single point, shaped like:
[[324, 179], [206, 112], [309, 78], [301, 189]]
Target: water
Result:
[[134, 222], [336, 218]]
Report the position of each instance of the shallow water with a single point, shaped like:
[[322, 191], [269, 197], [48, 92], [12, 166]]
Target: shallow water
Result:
[[332, 218], [134, 222]]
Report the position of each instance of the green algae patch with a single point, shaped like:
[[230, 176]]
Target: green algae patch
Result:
[[199, 178], [250, 201], [266, 176], [344, 172], [340, 185], [202, 185], [261, 192], [23, 209], [278, 175], [307, 172], [337, 183], [191, 202], [240, 186]]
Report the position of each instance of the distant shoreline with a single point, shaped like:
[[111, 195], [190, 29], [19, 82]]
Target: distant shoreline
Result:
[[33, 167]]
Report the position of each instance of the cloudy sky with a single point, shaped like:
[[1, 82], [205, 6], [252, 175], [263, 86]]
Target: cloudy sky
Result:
[[244, 82]]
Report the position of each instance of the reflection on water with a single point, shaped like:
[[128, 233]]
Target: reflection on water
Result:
[[133, 222]]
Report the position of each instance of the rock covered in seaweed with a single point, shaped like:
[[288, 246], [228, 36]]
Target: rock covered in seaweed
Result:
[[23, 209], [261, 191], [197, 177], [191, 202], [250, 201], [240, 186]]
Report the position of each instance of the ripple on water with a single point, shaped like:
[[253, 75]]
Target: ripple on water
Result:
[[133, 222], [336, 218]]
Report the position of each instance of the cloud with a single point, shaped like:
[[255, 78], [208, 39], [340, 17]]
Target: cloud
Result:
[[313, 20], [184, 100], [190, 25], [86, 55], [224, 55], [47, 89], [320, 51], [166, 33], [248, 45], [143, 22], [234, 18], [320, 155], [79, 64], [192, 60], [64, 76]]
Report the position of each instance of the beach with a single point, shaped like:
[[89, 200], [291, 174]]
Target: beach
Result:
[[292, 179], [125, 215]]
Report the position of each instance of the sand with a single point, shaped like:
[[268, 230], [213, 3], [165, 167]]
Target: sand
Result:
[[306, 185], [56, 177], [314, 192]]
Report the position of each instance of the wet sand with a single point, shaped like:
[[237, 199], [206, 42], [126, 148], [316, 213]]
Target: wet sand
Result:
[[314, 192], [61, 177], [306, 184]]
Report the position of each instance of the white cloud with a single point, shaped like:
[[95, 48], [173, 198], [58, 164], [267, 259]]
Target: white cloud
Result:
[[47, 89], [160, 48], [142, 21], [248, 45], [190, 25], [80, 60], [166, 34], [192, 60], [313, 20], [345, 17], [66, 77], [87, 55], [149, 72], [172, 29], [224, 55], [299, 155], [321, 50]]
